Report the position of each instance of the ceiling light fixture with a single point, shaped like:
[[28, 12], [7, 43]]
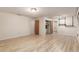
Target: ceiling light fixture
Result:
[[33, 10]]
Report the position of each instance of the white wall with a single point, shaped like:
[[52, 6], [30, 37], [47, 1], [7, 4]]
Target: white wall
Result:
[[12, 25]]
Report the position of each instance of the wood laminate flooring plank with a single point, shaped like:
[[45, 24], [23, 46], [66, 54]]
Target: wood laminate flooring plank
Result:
[[37, 43]]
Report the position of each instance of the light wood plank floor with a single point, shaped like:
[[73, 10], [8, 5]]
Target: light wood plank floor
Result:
[[48, 43]]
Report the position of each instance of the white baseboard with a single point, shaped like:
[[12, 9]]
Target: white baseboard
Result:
[[10, 37]]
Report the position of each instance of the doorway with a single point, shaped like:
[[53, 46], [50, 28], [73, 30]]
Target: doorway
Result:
[[49, 27]]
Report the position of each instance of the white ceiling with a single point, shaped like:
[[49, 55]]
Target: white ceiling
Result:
[[43, 11]]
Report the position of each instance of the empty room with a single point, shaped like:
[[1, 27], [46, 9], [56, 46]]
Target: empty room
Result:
[[39, 29]]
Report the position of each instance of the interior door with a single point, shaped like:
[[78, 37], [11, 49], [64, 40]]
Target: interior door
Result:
[[37, 27]]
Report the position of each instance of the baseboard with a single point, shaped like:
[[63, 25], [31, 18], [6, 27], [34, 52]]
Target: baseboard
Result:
[[10, 37]]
